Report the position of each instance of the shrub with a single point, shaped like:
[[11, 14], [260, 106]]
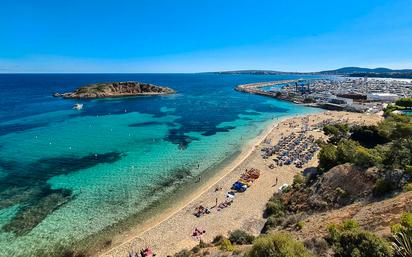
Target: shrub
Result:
[[336, 132], [196, 249], [226, 245], [183, 253], [317, 246], [406, 220], [278, 245], [300, 225], [382, 187], [218, 239], [240, 237], [202, 244], [396, 228], [408, 170], [366, 158], [404, 102], [402, 243], [327, 157], [361, 244], [293, 219], [407, 187], [350, 225], [298, 180], [334, 232], [345, 151], [274, 208], [272, 222]]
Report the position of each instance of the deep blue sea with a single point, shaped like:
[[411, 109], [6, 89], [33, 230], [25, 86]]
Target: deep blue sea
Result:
[[67, 175]]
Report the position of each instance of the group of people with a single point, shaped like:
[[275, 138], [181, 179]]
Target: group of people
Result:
[[143, 253], [197, 233], [201, 210]]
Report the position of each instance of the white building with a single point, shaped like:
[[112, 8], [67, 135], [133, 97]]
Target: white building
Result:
[[385, 97]]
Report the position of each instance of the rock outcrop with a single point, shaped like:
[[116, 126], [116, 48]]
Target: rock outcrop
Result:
[[116, 89]]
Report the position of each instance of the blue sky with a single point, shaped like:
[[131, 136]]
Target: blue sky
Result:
[[208, 35]]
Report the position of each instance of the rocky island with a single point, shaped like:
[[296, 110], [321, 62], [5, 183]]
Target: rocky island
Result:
[[116, 89]]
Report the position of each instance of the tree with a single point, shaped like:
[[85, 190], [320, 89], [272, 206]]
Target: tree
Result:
[[336, 132], [327, 157], [345, 151], [404, 102], [366, 158]]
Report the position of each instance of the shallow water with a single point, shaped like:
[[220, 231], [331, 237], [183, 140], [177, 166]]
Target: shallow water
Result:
[[67, 175]]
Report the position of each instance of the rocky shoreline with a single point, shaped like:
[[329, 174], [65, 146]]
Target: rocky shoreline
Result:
[[116, 89]]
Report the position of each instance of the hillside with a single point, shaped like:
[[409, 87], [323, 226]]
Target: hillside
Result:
[[116, 89]]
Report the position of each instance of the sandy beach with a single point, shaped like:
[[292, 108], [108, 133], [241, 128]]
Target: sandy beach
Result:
[[171, 231]]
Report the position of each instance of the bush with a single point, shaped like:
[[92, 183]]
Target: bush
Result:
[[367, 136], [361, 244], [240, 237], [183, 253], [406, 220], [327, 157], [345, 151], [402, 243], [336, 132], [272, 222], [349, 225], [404, 102], [218, 239], [366, 158], [300, 225], [226, 245], [407, 187], [334, 232], [274, 208], [383, 187], [278, 245], [196, 249], [298, 180], [317, 246]]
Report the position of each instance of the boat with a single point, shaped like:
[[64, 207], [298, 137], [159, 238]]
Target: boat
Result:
[[78, 106]]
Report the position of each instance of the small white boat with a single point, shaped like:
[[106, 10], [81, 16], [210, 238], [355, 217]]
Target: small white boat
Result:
[[78, 106]]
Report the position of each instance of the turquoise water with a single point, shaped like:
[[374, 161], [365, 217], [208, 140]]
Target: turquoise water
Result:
[[66, 175]]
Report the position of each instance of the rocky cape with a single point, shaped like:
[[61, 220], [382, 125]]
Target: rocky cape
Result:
[[116, 89]]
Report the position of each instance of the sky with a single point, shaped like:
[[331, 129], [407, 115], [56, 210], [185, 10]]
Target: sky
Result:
[[208, 35]]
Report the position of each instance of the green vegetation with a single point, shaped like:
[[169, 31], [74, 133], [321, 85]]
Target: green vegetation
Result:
[[278, 245], [336, 132], [183, 253], [367, 136], [407, 187], [404, 102], [361, 244], [348, 240], [240, 237], [327, 157], [298, 180], [275, 208], [402, 236], [387, 146], [218, 239], [300, 225], [402, 243], [226, 245], [383, 187]]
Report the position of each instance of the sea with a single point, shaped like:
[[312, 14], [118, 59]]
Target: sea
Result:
[[71, 179]]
